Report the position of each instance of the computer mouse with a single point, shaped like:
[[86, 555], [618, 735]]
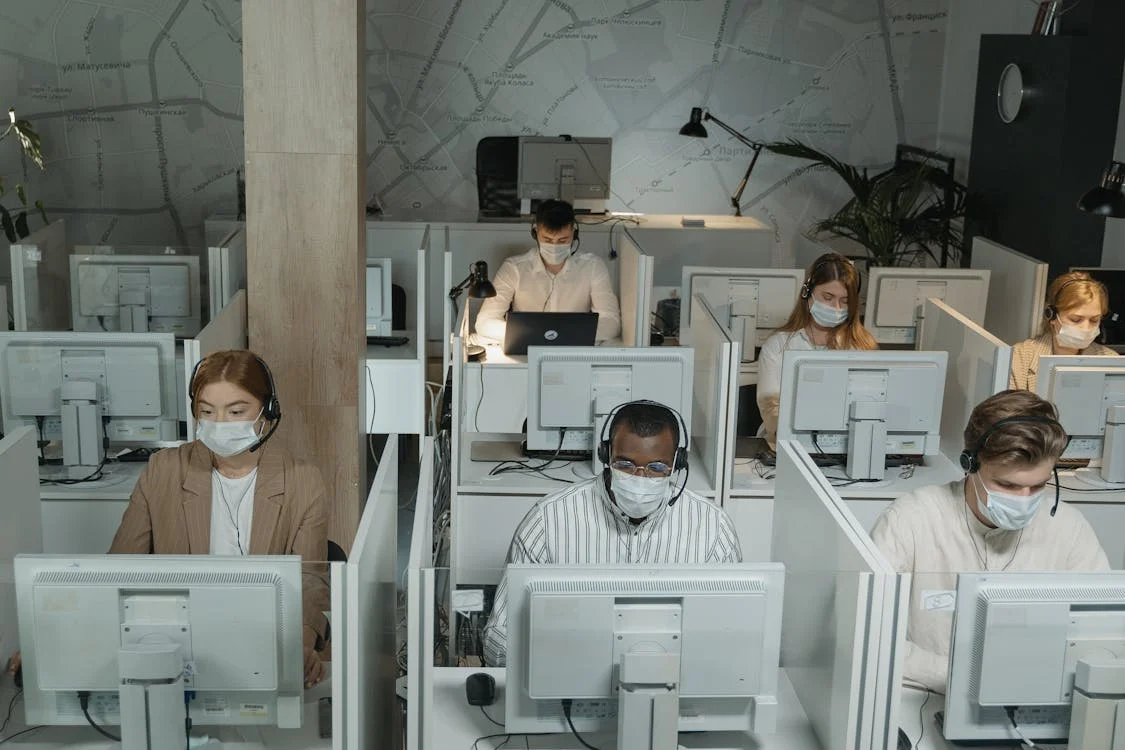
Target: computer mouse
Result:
[[903, 741], [480, 689]]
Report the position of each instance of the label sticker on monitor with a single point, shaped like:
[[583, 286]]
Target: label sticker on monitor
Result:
[[215, 707], [253, 710]]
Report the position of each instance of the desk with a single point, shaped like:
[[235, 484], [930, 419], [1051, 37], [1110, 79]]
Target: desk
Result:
[[455, 724], [240, 738], [915, 706], [81, 519], [396, 388]]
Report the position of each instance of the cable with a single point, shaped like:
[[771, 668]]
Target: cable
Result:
[[93, 476], [566, 712], [1011, 711], [374, 402], [506, 737], [11, 704], [480, 400], [18, 734], [84, 703], [921, 721], [490, 718]]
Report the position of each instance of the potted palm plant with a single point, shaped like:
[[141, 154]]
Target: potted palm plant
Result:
[[909, 214], [14, 221]]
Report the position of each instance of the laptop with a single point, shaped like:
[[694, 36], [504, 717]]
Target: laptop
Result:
[[548, 329]]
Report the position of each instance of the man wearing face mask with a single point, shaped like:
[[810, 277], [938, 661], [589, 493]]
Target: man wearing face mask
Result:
[[553, 276], [637, 511], [1003, 516]]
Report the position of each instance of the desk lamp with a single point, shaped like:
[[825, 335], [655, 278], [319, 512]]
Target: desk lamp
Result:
[[479, 288], [1108, 198], [695, 129]]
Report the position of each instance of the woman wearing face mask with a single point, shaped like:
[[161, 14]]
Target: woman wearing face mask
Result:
[[1004, 515], [826, 316], [1075, 307], [231, 492]]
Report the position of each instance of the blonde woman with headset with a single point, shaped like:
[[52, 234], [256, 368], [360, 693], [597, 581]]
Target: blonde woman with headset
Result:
[[826, 316], [1076, 305]]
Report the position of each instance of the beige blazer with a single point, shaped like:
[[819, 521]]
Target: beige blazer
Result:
[[169, 513]]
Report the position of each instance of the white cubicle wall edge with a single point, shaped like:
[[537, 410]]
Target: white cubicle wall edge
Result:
[[40, 269], [371, 608], [447, 308], [228, 330], [977, 368], [458, 360], [21, 531], [842, 575], [634, 289], [341, 656], [1016, 314], [711, 392], [419, 657]]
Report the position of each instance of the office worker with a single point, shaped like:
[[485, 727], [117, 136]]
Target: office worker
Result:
[[553, 276], [636, 511], [826, 316], [1003, 515], [1072, 317], [231, 492]]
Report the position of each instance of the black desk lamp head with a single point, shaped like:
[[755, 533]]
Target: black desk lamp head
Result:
[[1108, 198], [479, 287]]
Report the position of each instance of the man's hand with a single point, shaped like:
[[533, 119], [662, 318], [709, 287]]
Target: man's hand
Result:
[[314, 668], [14, 663]]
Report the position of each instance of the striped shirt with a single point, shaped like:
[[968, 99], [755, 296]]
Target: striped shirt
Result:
[[1025, 360], [582, 525]]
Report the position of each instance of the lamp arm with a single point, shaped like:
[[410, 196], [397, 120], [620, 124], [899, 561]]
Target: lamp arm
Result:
[[736, 199], [734, 133], [455, 292]]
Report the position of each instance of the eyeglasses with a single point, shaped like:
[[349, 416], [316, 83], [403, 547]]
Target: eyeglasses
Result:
[[654, 469]]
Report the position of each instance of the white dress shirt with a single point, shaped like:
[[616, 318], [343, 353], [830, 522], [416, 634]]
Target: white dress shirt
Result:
[[582, 525], [524, 284], [932, 534], [232, 510], [769, 375]]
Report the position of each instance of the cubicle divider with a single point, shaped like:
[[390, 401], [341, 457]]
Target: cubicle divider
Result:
[[1018, 286], [715, 381], [21, 531], [842, 611], [978, 368], [227, 330], [40, 269], [371, 607], [419, 628], [342, 659], [634, 291], [226, 270]]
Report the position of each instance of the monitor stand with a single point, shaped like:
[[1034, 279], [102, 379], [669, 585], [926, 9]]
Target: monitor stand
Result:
[[153, 711], [648, 701]]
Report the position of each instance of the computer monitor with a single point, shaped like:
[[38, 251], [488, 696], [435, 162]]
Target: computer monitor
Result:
[[1016, 640], [575, 170], [1113, 325], [379, 315], [1089, 394], [896, 296], [644, 650], [138, 293], [863, 404], [571, 390], [139, 631], [751, 302], [81, 388], [226, 270]]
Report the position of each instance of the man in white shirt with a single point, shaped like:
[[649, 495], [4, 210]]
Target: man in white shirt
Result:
[[993, 520], [552, 277], [637, 511]]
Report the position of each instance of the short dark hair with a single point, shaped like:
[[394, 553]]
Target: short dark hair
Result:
[[645, 420], [1015, 442], [554, 215]]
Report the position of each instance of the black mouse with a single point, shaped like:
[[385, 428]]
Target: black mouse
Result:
[[903, 740], [17, 677], [480, 689]]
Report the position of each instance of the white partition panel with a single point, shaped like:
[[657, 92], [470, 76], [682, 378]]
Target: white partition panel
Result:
[[21, 528], [634, 291], [446, 306], [1019, 283], [40, 266], [342, 664], [978, 367], [372, 597], [225, 331], [712, 416], [840, 610], [226, 270], [419, 628]]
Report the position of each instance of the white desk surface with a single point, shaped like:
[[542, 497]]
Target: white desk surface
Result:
[[939, 469], [474, 477], [913, 702], [455, 724], [117, 483], [240, 738], [408, 351]]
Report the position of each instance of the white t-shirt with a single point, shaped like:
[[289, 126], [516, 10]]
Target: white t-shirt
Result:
[[769, 374], [523, 284], [232, 510], [932, 534]]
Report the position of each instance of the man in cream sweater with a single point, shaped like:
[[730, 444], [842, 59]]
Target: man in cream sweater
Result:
[[1001, 516]]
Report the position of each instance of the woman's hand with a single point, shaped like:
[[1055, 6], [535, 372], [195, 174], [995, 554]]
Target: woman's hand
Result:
[[14, 663], [314, 668]]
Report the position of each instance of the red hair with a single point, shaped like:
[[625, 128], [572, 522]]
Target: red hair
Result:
[[239, 367]]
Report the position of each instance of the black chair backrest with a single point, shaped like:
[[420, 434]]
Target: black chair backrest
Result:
[[336, 552], [498, 176]]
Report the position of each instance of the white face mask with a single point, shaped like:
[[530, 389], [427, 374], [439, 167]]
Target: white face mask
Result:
[[554, 254], [1074, 337], [228, 439], [827, 316], [639, 497], [1006, 511]]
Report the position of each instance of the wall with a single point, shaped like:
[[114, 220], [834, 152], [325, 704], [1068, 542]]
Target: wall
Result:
[[140, 103]]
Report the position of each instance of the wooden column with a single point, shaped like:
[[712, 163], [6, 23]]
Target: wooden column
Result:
[[303, 74]]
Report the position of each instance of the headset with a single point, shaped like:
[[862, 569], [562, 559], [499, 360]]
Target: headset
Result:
[[679, 460], [574, 243], [970, 461], [1051, 311], [825, 260], [271, 409]]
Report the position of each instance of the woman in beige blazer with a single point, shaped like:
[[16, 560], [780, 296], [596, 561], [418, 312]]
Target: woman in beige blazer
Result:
[[231, 493], [1076, 304]]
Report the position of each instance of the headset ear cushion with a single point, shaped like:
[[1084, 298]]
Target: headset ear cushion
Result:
[[603, 453], [1049, 312], [535, 234], [681, 461], [968, 461]]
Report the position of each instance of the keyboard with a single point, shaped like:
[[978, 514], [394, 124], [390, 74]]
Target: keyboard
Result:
[[387, 340]]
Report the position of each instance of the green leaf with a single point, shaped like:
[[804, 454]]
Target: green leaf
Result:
[[21, 194], [7, 225], [42, 211], [21, 224]]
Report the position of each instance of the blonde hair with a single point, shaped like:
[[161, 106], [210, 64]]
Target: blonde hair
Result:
[[848, 335], [1070, 291], [1028, 442]]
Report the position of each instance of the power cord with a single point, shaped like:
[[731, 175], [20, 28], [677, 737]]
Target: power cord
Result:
[[566, 712], [1011, 711], [84, 703], [11, 705], [490, 718], [6, 740]]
